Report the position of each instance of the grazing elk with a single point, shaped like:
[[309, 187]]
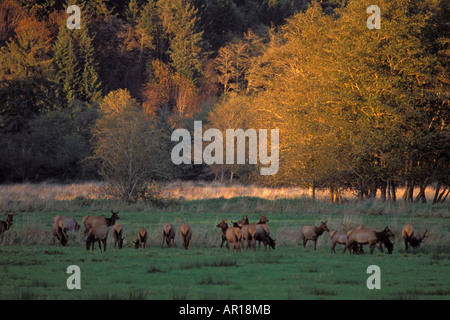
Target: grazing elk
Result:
[[5, 225], [169, 234], [186, 236], [339, 237], [367, 236], [97, 233], [118, 235], [71, 223], [312, 233], [409, 237], [141, 239], [90, 221], [59, 230], [230, 235]]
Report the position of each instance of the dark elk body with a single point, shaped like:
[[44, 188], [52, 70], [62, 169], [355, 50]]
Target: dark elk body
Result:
[[312, 233], [5, 225]]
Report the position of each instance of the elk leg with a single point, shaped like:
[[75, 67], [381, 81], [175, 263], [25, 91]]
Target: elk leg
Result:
[[333, 244], [315, 243], [406, 244], [304, 242]]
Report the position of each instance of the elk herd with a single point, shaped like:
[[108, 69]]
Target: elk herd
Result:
[[241, 234]]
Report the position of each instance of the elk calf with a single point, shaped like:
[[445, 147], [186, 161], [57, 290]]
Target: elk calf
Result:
[[312, 233], [186, 236], [118, 235], [5, 225], [169, 234], [141, 239], [99, 234]]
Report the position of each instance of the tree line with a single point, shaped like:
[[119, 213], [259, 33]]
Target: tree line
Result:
[[359, 109]]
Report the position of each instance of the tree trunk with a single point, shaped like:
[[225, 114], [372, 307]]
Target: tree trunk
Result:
[[312, 191], [421, 195], [436, 194], [383, 191], [393, 191]]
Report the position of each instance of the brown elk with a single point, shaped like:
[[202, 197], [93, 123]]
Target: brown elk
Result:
[[71, 223], [312, 233], [230, 235], [97, 233], [118, 235], [409, 237], [90, 221], [247, 230], [5, 225], [339, 237], [186, 236], [237, 231], [169, 234], [141, 239], [386, 242], [262, 235], [367, 236], [59, 230]]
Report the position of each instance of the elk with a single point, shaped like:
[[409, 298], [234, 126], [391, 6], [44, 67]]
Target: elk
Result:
[[71, 223], [339, 237], [416, 242], [246, 228], [118, 235], [230, 235], [260, 232], [409, 237], [59, 230], [237, 231], [90, 221], [186, 236], [312, 233], [141, 239], [262, 235], [169, 234], [97, 233], [387, 243], [5, 225], [367, 236], [407, 234]]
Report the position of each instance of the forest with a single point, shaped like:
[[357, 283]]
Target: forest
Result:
[[356, 109]]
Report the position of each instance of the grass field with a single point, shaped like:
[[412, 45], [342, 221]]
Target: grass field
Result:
[[33, 268]]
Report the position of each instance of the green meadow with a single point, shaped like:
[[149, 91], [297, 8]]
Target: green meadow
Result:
[[32, 267]]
